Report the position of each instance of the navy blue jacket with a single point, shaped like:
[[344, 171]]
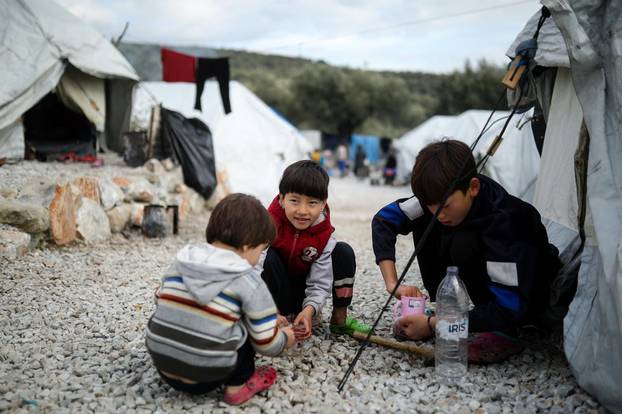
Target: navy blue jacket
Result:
[[516, 261]]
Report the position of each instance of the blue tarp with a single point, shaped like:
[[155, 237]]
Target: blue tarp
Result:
[[370, 144]]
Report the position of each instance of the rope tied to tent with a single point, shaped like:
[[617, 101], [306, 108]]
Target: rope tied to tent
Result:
[[459, 176]]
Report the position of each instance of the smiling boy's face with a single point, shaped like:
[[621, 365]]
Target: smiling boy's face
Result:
[[301, 210]]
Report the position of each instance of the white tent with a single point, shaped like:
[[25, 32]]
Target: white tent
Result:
[[515, 164], [43, 47], [252, 143], [579, 188]]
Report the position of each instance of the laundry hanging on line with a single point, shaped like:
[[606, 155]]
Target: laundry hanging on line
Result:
[[179, 67]]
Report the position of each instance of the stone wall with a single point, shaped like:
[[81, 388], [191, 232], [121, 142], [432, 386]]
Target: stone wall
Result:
[[82, 205]]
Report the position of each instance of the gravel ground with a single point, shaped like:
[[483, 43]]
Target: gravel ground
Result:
[[72, 340]]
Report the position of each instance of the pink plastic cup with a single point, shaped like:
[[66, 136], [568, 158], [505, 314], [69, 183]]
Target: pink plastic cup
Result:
[[409, 305]]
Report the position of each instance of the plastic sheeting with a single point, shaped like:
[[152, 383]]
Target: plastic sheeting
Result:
[[591, 39], [551, 48], [36, 38], [556, 189], [84, 93], [370, 145], [191, 142], [514, 165], [252, 144], [12, 141]]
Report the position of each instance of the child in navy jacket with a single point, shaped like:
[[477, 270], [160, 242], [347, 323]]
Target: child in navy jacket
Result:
[[497, 241]]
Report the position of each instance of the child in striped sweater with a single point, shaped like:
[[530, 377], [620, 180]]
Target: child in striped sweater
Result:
[[213, 310]]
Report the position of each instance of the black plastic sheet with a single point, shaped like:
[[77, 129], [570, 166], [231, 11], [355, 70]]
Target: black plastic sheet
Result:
[[191, 142]]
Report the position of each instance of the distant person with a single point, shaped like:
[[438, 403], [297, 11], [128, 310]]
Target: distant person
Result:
[[328, 161], [213, 310], [390, 168], [360, 167], [305, 263], [497, 241], [342, 159], [316, 156]]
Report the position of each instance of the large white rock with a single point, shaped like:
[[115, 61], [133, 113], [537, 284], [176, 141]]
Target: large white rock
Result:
[[111, 194], [92, 222], [119, 217], [28, 217], [141, 190]]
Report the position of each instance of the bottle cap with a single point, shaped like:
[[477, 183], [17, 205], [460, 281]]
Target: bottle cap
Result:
[[452, 270]]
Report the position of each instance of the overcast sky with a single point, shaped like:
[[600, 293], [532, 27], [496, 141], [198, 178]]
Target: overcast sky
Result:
[[427, 35]]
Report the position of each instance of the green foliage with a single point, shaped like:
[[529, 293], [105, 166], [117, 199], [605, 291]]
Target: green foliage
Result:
[[315, 95]]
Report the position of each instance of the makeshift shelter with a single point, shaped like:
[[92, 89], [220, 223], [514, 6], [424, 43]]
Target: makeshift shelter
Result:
[[60, 78], [252, 144], [369, 143], [579, 188], [515, 165]]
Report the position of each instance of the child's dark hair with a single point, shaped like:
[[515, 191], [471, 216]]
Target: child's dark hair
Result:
[[240, 220], [437, 166], [305, 177]]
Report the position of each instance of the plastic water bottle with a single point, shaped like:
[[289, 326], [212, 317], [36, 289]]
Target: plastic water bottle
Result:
[[452, 328]]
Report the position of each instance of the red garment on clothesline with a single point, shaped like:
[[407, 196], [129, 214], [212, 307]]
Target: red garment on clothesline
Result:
[[177, 67]]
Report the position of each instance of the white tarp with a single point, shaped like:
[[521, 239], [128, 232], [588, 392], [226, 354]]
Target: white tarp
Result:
[[12, 141], [591, 38], [515, 164], [252, 143], [556, 188], [84, 93], [37, 37]]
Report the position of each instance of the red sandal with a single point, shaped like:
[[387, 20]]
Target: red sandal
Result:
[[261, 380]]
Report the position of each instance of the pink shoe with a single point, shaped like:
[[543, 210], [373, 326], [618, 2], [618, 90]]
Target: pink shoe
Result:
[[261, 380]]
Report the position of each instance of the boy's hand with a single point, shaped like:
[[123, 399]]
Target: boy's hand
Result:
[[415, 326], [405, 290], [291, 338], [304, 318], [281, 320]]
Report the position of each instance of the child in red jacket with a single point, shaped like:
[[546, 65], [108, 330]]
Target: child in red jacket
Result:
[[305, 262]]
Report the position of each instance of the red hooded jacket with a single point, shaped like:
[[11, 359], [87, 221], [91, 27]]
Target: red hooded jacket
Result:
[[299, 248]]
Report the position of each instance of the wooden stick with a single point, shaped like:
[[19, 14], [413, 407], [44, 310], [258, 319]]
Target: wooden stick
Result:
[[390, 343]]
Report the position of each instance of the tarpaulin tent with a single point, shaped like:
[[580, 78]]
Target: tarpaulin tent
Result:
[[252, 144], [515, 165], [370, 145], [44, 48], [579, 188]]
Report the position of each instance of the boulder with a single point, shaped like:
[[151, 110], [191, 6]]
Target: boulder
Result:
[[155, 171], [92, 221], [31, 218], [119, 217], [13, 243], [168, 164], [62, 214], [141, 190], [8, 192], [111, 194], [180, 188], [136, 215], [172, 180], [154, 166], [38, 191], [122, 182], [88, 187]]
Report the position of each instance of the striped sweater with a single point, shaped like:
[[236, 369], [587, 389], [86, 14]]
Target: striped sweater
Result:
[[209, 302]]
